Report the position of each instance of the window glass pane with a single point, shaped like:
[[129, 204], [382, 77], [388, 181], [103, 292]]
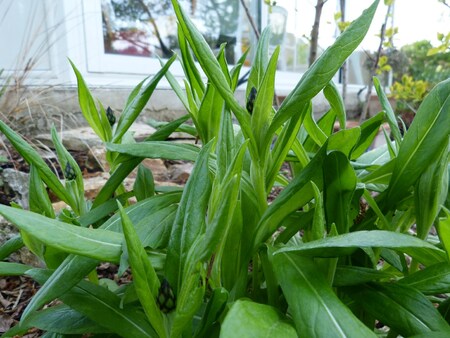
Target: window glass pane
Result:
[[289, 28], [24, 35], [147, 28]]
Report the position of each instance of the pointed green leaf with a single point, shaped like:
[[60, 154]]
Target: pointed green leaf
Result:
[[95, 243], [344, 140], [392, 120], [293, 197], [189, 66], [430, 193], [157, 149], [64, 320], [369, 130], [144, 185], [430, 281], [9, 246], [315, 308], [260, 62], [409, 311], [144, 276], [423, 142], [87, 105], [355, 275], [323, 70], [261, 116], [444, 231], [190, 219], [336, 101], [13, 269], [216, 305], [339, 181], [346, 244]]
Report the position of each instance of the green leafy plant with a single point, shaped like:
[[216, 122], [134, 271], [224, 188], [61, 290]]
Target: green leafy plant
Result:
[[332, 255]]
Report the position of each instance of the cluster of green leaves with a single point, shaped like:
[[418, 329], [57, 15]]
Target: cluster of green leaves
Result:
[[332, 255]]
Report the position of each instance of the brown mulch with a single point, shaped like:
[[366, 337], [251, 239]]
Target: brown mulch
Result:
[[15, 294]]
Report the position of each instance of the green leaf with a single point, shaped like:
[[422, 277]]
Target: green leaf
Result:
[[37, 196], [430, 281], [423, 142], [157, 149], [339, 180], [165, 130], [209, 114], [346, 244], [430, 193], [33, 158], [313, 130], [344, 140], [336, 101], [189, 66], [154, 229], [249, 319], [88, 108], [134, 108], [144, 185], [389, 112], [409, 312], [444, 231], [322, 71], [431, 335], [262, 111], [294, 196], [369, 130], [95, 243], [190, 219], [13, 269], [116, 179], [214, 309], [284, 142], [315, 308], [317, 230], [355, 275], [63, 320], [9, 246], [260, 63], [144, 276]]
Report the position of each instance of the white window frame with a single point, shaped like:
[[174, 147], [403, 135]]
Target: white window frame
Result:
[[98, 62]]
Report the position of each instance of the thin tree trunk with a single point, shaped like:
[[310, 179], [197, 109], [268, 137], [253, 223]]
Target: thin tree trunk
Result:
[[315, 32], [344, 65], [375, 66], [166, 52]]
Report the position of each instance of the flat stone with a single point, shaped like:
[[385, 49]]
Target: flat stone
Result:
[[83, 139], [179, 173], [159, 170], [17, 181]]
